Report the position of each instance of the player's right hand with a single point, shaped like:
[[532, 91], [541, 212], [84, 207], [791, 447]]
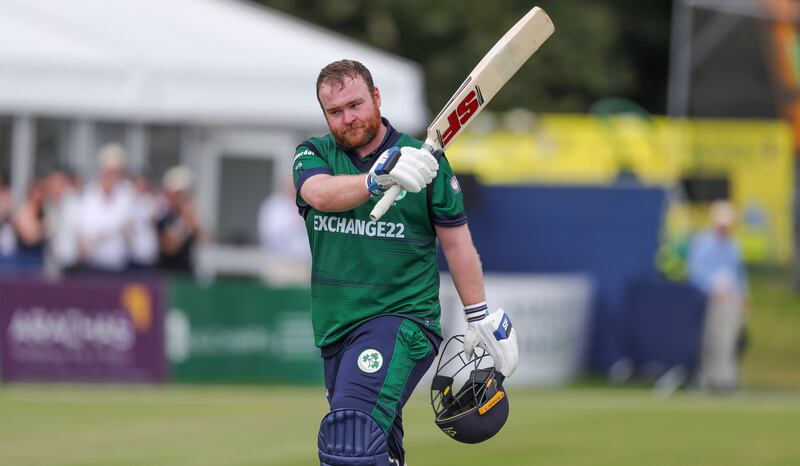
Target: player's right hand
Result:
[[410, 168]]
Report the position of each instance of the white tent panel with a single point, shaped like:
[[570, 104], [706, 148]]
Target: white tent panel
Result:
[[202, 61]]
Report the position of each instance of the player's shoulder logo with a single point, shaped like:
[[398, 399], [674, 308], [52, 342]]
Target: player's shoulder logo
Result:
[[301, 151], [370, 360], [454, 184]]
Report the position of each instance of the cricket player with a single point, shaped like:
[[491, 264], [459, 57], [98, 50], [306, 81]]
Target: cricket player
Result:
[[375, 285]]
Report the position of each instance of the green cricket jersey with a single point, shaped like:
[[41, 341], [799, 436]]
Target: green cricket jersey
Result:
[[362, 269]]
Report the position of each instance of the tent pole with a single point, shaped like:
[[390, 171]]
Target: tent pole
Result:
[[82, 153], [23, 138], [680, 66], [137, 143]]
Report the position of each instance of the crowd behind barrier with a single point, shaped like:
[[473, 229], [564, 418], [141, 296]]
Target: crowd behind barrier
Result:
[[117, 222]]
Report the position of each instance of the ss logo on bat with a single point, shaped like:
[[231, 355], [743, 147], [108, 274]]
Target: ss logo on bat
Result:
[[461, 114]]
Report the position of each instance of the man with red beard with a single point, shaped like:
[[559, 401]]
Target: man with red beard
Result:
[[375, 284]]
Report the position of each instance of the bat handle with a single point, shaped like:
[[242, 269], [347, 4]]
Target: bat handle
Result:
[[389, 196], [386, 201]]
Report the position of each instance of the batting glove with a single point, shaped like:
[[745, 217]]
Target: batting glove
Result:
[[411, 168], [494, 333]]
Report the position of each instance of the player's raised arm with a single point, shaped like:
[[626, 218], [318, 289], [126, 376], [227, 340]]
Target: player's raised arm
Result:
[[409, 168], [329, 193]]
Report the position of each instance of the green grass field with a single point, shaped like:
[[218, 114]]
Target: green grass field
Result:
[[196, 426], [773, 358]]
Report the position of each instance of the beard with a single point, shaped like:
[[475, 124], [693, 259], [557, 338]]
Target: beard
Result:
[[360, 133]]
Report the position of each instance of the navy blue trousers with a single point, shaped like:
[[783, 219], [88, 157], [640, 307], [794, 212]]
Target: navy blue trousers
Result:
[[376, 367]]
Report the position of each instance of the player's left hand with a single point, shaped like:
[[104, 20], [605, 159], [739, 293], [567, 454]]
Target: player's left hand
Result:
[[495, 334]]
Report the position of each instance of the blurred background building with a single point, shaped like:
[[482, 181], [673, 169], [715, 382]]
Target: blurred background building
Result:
[[224, 88]]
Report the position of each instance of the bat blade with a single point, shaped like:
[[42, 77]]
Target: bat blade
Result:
[[490, 75], [486, 79]]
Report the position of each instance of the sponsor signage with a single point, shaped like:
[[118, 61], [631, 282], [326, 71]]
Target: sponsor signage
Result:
[[241, 332], [550, 313], [81, 331]]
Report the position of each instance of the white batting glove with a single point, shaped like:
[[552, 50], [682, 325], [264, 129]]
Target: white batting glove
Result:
[[412, 169], [494, 333]]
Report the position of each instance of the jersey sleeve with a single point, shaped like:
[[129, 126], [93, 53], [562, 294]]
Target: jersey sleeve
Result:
[[446, 203], [307, 163]]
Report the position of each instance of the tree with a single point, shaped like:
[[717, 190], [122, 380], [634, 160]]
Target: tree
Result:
[[600, 49]]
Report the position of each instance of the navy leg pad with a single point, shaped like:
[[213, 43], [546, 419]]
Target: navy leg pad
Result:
[[349, 437]]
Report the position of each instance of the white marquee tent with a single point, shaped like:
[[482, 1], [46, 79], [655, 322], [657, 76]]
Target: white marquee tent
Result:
[[205, 61]]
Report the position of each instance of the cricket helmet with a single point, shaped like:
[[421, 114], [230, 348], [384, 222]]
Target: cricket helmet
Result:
[[480, 408]]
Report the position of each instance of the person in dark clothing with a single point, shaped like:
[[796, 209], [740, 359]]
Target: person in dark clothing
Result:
[[29, 226], [178, 228]]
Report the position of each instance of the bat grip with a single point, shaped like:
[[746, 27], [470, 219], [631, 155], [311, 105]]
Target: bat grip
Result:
[[386, 201]]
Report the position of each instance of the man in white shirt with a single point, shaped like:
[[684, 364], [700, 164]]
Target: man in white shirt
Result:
[[283, 236], [142, 235], [62, 216], [105, 214]]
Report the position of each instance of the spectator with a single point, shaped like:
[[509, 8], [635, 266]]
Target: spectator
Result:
[[715, 267], [142, 235], [62, 210], [105, 214], [8, 239], [283, 235], [29, 227], [178, 228]]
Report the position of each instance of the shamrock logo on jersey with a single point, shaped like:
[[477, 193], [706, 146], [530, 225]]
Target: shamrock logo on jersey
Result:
[[370, 360]]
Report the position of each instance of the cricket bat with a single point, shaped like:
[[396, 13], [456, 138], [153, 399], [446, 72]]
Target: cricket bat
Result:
[[488, 77]]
